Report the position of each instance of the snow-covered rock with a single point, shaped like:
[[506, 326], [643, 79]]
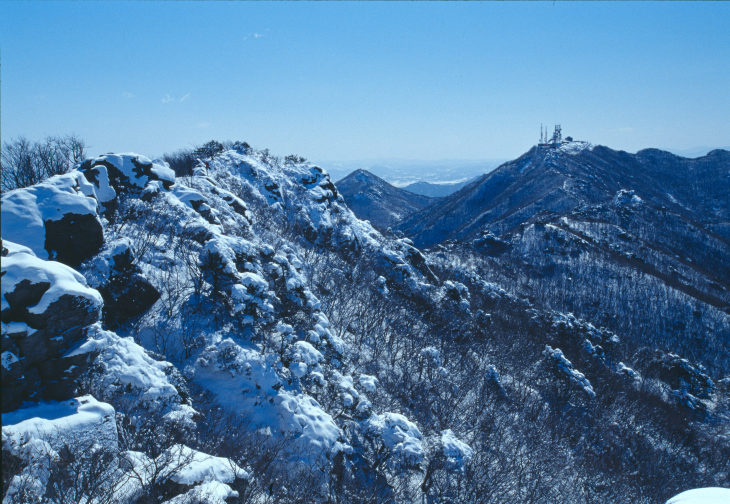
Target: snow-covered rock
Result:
[[115, 173], [127, 368], [713, 495], [210, 492], [56, 219], [45, 307], [199, 467], [125, 290], [565, 368]]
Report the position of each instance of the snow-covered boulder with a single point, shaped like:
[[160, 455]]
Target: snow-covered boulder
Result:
[[199, 467], [56, 219], [125, 368], [45, 308], [115, 173], [712, 495], [211, 492]]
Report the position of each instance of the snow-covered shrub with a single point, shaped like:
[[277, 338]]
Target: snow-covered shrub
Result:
[[398, 436]]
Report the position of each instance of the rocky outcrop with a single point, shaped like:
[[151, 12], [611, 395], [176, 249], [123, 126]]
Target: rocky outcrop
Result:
[[127, 293], [73, 238], [46, 307], [56, 219], [689, 383], [125, 172]]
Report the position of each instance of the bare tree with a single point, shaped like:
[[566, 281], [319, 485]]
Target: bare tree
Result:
[[24, 163]]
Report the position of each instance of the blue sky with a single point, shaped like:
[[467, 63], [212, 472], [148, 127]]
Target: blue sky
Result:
[[346, 81]]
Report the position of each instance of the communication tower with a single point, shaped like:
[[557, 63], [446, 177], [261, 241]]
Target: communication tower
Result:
[[557, 135], [556, 139]]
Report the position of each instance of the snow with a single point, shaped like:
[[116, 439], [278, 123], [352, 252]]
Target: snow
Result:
[[433, 356], [575, 147], [255, 282], [126, 363], [63, 280], [304, 358], [711, 495], [627, 197], [58, 422], [37, 456], [97, 270], [399, 435], [211, 492], [346, 388], [105, 192], [163, 170], [258, 383], [8, 359], [187, 195], [25, 211], [14, 248], [369, 383], [248, 382], [624, 369], [199, 467], [185, 466], [303, 417], [456, 452], [17, 328], [566, 367], [124, 163]]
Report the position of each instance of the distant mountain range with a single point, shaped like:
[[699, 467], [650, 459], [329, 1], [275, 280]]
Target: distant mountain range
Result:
[[435, 190], [695, 152], [372, 198], [402, 172]]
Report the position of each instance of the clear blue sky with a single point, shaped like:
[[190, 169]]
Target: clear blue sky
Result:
[[345, 81]]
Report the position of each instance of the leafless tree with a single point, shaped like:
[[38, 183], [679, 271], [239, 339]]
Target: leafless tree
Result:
[[24, 163]]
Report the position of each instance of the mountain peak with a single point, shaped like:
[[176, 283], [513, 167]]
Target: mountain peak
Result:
[[561, 178], [372, 198]]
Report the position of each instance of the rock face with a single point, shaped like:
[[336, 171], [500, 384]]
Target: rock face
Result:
[[125, 290], [73, 238], [56, 219], [46, 307]]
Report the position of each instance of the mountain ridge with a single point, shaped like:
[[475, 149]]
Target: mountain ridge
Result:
[[372, 198], [488, 192]]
